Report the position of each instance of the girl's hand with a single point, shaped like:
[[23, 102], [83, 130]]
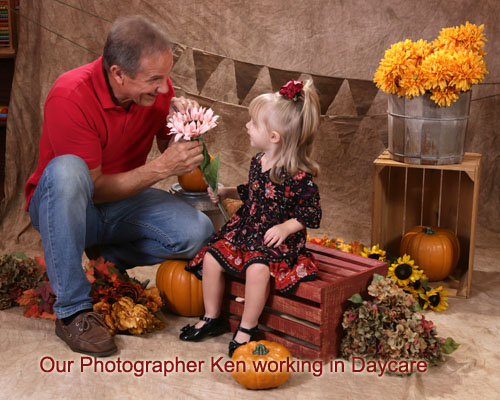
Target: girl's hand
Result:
[[276, 235], [215, 199]]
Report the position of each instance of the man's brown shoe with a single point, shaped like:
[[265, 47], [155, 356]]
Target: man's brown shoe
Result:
[[87, 334]]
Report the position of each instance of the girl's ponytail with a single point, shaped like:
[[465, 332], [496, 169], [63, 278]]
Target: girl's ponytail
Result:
[[310, 117]]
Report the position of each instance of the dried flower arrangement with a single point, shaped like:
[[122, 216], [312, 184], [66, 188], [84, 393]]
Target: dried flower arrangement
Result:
[[17, 274], [389, 327]]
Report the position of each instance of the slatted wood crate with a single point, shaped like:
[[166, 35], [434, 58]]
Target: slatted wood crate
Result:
[[309, 322], [406, 195]]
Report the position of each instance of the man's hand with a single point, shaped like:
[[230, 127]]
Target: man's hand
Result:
[[180, 157], [182, 104]]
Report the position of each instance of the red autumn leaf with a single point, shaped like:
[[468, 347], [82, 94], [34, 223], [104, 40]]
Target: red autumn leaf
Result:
[[41, 262], [90, 276], [31, 311], [46, 315], [28, 297]]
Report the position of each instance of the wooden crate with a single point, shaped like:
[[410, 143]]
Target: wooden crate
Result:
[[406, 195], [309, 322]]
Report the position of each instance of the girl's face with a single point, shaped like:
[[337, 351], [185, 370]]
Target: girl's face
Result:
[[258, 134]]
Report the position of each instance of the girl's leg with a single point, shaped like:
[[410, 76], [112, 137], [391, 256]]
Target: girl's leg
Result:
[[257, 287], [213, 288]]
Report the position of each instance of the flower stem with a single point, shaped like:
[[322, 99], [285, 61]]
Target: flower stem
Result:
[[223, 211]]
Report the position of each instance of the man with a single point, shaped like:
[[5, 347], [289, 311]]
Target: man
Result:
[[92, 185]]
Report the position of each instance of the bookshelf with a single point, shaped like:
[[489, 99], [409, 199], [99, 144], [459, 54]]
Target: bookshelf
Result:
[[8, 32]]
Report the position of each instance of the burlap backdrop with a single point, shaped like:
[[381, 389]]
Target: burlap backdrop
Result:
[[227, 53]]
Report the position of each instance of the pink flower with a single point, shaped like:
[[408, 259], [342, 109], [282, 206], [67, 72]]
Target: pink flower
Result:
[[193, 123]]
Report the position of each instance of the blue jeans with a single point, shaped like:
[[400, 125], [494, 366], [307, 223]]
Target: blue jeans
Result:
[[144, 229]]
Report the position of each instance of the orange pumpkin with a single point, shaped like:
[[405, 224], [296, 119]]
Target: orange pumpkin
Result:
[[271, 356], [435, 250], [193, 181], [181, 289]]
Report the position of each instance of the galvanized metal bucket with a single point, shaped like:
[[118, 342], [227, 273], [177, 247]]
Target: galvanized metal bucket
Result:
[[201, 201], [421, 132]]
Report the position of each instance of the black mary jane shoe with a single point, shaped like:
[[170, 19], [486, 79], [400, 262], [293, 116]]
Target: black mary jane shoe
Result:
[[212, 327], [233, 344]]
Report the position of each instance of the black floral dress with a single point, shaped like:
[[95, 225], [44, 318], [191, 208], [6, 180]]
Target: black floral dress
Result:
[[240, 242]]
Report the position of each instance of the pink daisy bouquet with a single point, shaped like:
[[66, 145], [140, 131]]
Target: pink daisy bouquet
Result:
[[192, 125]]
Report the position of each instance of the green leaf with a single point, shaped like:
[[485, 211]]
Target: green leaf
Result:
[[416, 307], [20, 255], [377, 278], [211, 174], [356, 299], [449, 346], [206, 157]]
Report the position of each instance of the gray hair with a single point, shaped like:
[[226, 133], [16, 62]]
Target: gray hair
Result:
[[131, 38]]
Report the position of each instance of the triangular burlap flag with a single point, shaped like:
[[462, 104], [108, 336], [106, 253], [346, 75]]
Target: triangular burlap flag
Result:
[[379, 104], [262, 85], [183, 72], [363, 93], [205, 64], [280, 76], [177, 51], [246, 75], [222, 83], [327, 88], [343, 104]]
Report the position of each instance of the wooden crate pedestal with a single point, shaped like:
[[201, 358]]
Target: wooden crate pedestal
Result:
[[406, 195], [309, 322]]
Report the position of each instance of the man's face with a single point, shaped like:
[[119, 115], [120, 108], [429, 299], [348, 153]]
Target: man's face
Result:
[[149, 81]]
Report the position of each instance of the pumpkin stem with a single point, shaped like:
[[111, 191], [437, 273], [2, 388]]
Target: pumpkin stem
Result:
[[260, 350], [428, 231]]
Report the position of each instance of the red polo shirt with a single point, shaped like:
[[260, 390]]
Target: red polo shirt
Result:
[[80, 118]]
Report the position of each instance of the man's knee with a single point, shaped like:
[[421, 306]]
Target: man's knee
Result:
[[196, 234], [68, 175]]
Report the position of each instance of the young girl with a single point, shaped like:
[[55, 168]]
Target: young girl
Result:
[[267, 236]]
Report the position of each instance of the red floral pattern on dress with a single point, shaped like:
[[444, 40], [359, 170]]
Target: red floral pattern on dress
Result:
[[240, 242]]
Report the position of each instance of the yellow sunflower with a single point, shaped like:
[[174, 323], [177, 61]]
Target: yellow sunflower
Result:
[[416, 288], [404, 271], [375, 253], [435, 299]]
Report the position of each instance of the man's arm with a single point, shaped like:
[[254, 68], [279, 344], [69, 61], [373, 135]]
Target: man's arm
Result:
[[178, 159]]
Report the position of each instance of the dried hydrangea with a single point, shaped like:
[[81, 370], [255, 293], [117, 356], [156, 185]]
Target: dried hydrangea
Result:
[[17, 274], [390, 327]]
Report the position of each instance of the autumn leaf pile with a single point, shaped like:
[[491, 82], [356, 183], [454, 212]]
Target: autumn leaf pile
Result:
[[123, 302]]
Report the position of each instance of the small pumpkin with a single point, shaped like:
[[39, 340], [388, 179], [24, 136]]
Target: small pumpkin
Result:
[[435, 250], [271, 356], [193, 181], [181, 289]]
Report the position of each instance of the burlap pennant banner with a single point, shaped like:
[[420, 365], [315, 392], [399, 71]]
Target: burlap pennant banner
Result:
[[246, 74], [205, 64], [363, 92], [328, 88]]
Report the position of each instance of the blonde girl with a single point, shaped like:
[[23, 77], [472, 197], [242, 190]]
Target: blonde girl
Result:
[[266, 237]]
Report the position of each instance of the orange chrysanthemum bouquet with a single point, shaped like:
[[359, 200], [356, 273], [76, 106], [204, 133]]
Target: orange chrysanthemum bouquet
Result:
[[449, 65]]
